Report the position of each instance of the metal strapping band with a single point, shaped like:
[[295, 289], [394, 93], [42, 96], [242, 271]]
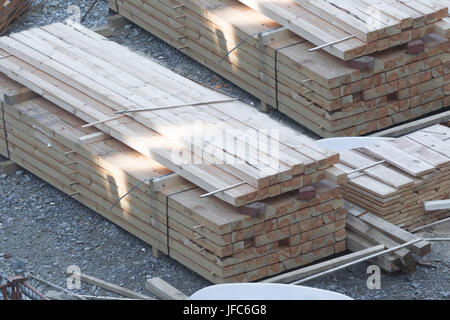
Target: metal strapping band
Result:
[[242, 42], [4, 131], [276, 70], [128, 192], [167, 214]]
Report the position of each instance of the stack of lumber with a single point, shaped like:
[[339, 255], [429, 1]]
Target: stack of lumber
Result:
[[366, 230], [72, 69], [118, 167], [318, 89], [207, 235], [369, 26], [367, 235], [10, 10], [416, 169]]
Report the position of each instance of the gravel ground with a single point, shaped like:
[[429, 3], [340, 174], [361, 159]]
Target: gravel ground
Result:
[[51, 231]]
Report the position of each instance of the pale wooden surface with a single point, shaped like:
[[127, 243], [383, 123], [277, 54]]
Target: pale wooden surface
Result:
[[164, 290], [207, 235], [417, 171], [325, 21], [314, 88], [74, 77]]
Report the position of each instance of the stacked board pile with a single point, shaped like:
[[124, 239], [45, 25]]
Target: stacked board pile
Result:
[[120, 171], [416, 168], [110, 92], [318, 89], [368, 26], [365, 230]]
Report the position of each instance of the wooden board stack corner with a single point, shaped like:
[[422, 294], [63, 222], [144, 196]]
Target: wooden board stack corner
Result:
[[416, 170], [108, 166]]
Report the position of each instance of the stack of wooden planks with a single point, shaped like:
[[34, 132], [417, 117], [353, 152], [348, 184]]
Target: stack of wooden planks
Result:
[[11, 10], [366, 230], [207, 235], [368, 26], [392, 179], [58, 58], [367, 234], [322, 92], [118, 167]]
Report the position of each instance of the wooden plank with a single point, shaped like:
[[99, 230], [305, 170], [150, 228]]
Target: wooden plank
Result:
[[381, 172], [434, 11], [113, 288], [400, 159], [388, 9], [341, 19], [93, 124], [371, 14], [164, 290], [414, 125], [323, 266], [8, 167], [437, 205], [356, 243], [163, 182], [374, 235], [105, 30], [443, 28], [117, 21], [92, 138], [274, 35], [431, 141], [305, 24], [421, 248], [12, 92], [423, 152]]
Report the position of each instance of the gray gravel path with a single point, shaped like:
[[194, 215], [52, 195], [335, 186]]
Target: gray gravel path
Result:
[[51, 231]]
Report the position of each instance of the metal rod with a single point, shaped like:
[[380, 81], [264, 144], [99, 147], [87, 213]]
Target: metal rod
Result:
[[89, 10], [432, 132], [358, 261], [102, 121], [222, 189], [105, 298], [430, 225], [128, 192], [56, 287], [331, 43], [367, 167], [32, 292], [239, 44], [175, 106], [437, 239]]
